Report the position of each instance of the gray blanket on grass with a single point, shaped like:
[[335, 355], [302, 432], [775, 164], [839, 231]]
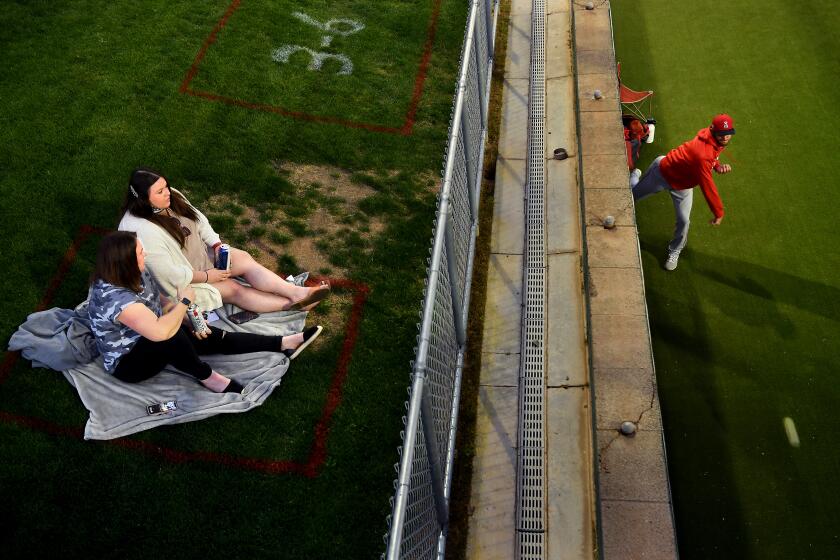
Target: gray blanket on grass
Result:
[[56, 338], [60, 339], [118, 409]]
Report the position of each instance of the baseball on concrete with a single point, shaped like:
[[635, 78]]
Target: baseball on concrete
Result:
[[628, 428]]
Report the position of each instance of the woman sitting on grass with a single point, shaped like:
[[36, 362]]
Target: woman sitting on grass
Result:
[[138, 331], [182, 246]]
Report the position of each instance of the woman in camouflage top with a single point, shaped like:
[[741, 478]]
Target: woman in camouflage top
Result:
[[139, 331]]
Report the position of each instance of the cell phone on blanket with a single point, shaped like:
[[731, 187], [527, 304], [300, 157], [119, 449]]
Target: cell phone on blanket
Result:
[[161, 408], [242, 317]]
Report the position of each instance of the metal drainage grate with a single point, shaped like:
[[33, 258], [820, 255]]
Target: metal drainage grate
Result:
[[530, 505]]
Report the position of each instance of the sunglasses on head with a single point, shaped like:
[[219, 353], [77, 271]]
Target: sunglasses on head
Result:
[[187, 231]]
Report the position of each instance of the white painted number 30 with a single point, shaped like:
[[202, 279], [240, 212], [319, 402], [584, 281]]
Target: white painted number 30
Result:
[[343, 27]]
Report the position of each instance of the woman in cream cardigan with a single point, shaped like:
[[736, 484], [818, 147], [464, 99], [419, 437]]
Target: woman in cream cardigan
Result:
[[181, 247]]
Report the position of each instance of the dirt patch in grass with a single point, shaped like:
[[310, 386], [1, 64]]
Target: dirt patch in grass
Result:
[[328, 213], [334, 179]]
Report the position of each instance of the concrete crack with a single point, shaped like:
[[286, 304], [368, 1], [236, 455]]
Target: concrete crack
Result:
[[638, 422]]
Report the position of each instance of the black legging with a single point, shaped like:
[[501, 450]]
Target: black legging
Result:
[[147, 358]]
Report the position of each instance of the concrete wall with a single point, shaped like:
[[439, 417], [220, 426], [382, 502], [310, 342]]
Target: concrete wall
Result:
[[636, 519]]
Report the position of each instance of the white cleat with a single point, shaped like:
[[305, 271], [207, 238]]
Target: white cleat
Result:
[[635, 175], [671, 261]]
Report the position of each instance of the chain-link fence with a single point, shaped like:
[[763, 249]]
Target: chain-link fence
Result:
[[420, 506]]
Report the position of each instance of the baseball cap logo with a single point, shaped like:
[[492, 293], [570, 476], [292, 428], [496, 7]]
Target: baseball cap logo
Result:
[[722, 125]]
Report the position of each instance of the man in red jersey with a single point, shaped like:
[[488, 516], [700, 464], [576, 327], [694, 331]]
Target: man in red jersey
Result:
[[684, 168]]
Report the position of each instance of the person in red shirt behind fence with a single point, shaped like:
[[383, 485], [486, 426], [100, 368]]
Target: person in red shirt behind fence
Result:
[[684, 168]]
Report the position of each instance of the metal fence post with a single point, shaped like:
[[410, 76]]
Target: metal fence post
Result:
[[470, 165], [415, 519], [401, 496], [435, 464], [452, 266], [489, 27], [479, 64]]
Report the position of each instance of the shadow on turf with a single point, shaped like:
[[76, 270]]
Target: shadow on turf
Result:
[[697, 406], [774, 286], [769, 284], [699, 460]]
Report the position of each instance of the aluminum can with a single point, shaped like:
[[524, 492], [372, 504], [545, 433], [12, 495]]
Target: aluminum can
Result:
[[196, 316], [223, 261]]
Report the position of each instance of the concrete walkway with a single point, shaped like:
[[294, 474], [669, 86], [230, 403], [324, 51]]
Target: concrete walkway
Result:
[[595, 314], [569, 531]]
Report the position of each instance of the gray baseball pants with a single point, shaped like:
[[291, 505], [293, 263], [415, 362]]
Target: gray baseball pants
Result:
[[653, 182]]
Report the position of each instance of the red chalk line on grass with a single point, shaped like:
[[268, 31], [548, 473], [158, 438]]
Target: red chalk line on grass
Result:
[[207, 42], [318, 451], [431, 31], [410, 116]]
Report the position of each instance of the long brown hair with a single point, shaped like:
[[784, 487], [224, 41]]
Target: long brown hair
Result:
[[137, 203], [116, 261]]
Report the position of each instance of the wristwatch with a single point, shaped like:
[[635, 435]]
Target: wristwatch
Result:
[[186, 302]]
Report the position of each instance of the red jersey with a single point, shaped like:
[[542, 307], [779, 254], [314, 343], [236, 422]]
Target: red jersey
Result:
[[691, 164]]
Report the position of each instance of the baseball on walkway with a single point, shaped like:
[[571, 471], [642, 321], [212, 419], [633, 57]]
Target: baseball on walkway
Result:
[[609, 222], [597, 94], [590, 6], [628, 428]]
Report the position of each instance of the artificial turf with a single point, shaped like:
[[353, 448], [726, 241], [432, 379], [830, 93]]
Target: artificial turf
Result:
[[91, 89], [745, 330]]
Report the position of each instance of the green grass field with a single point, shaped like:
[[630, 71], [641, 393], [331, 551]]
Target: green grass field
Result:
[[335, 173], [745, 331]]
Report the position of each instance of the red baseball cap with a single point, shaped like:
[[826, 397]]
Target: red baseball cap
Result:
[[722, 125]]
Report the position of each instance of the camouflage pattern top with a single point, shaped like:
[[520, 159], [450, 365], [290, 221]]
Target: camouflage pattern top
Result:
[[113, 339]]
